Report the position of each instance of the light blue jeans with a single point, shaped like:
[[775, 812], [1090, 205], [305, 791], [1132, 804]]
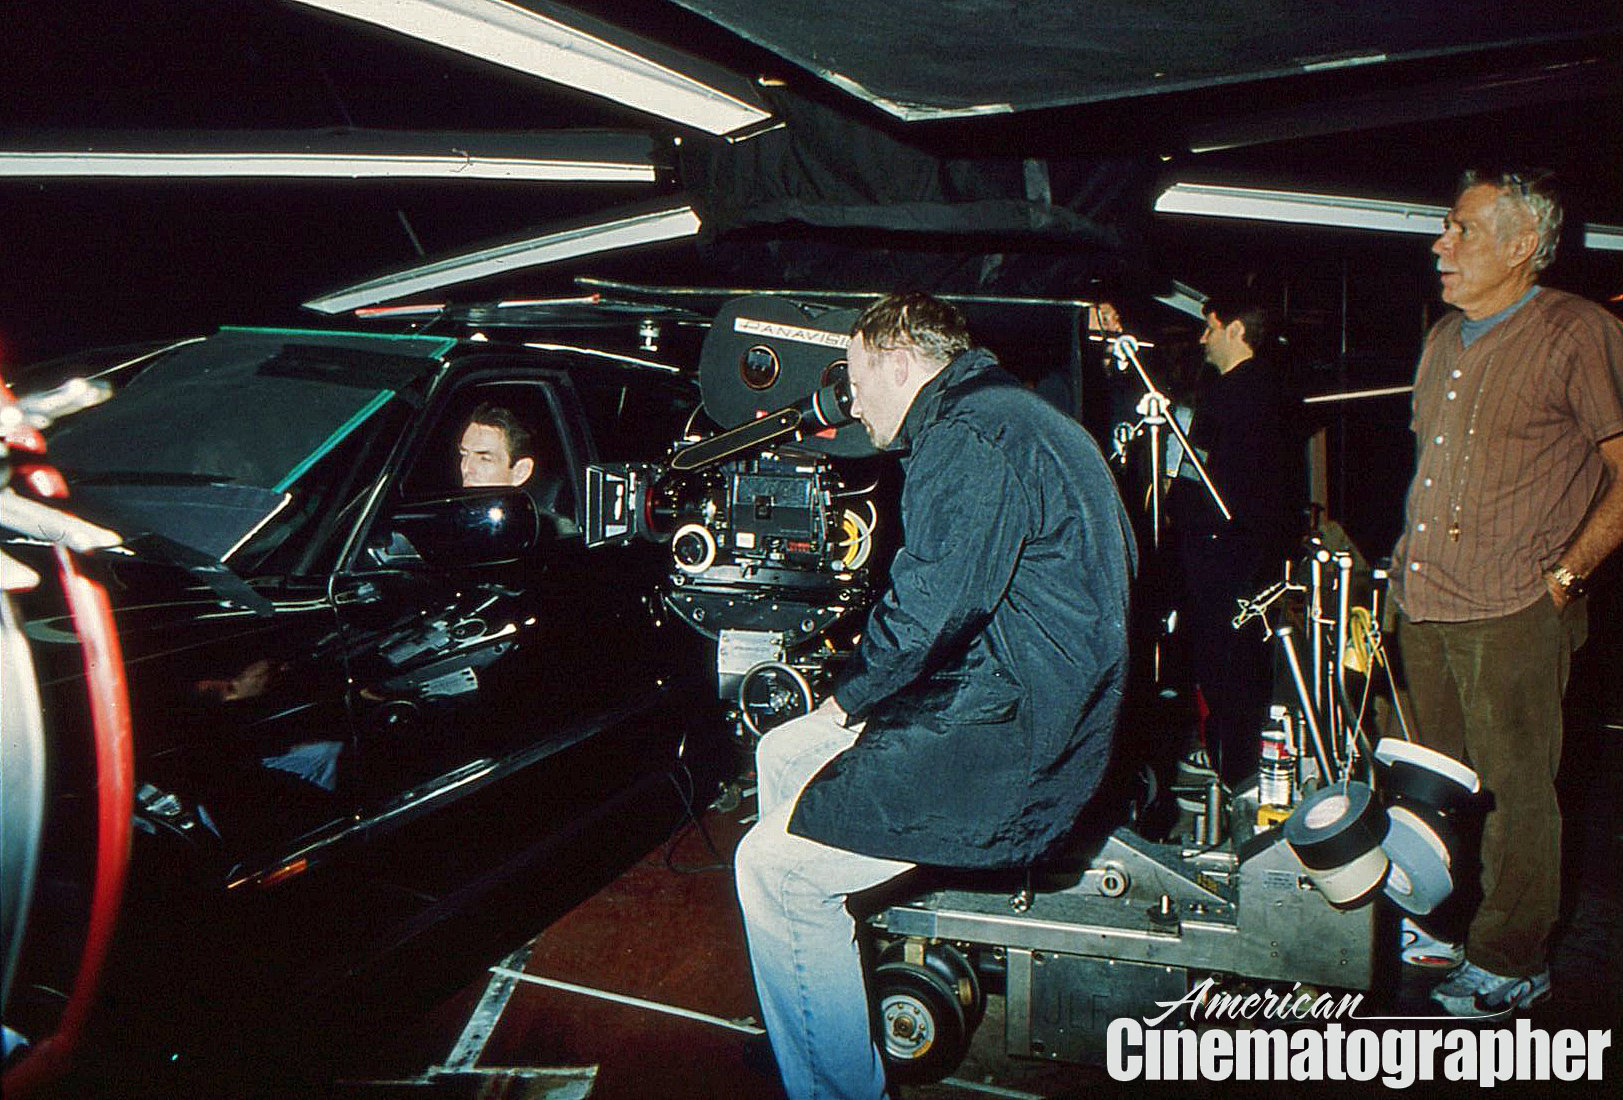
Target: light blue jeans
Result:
[[802, 939]]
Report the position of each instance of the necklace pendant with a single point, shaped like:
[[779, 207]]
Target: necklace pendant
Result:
[[1454, 532]]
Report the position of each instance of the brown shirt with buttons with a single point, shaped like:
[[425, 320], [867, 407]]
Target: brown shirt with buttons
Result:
[[1506, 463]]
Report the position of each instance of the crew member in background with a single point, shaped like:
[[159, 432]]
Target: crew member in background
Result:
[[1518, 416], [975, 719], [1241, 430]]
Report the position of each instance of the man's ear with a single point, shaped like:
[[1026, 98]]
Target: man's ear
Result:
[[1236, 331], [903, 364], [1522, 247], [522, 469]]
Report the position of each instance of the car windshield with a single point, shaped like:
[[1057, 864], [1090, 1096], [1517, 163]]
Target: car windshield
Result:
[[211, 440]]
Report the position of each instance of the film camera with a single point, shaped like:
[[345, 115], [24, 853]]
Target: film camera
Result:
[[770, 547]]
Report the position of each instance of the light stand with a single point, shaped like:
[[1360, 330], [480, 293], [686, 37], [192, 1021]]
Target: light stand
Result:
[[1337, 630], [1154, 413]]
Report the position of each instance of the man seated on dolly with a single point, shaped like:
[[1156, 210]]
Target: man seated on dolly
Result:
[[976, 716]]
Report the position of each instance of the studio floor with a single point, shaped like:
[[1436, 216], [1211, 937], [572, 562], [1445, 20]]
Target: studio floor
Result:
[[668, 931]]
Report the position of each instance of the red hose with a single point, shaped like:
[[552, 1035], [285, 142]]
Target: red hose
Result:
[[115, 810]]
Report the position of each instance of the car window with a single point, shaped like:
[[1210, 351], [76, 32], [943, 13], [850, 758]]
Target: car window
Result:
[[437, 469], [466, 450], [254, 409], [306, 536]]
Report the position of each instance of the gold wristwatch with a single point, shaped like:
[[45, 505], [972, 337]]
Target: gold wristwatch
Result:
[[1571, 583]]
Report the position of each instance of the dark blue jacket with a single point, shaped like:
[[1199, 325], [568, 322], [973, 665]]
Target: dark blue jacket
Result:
[[991, 671]]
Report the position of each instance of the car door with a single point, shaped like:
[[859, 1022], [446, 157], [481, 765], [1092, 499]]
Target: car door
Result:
[[231, 467], [460, 668]]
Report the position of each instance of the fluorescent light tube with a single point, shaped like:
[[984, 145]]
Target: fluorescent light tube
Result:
[[624, 232], [1302, 209], [321, 166], [581, 56], [1213, 200]]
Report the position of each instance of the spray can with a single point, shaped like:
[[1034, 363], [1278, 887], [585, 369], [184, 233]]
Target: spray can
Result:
[[1278, 764]]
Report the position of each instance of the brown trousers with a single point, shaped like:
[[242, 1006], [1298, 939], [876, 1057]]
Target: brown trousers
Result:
[[1488, 693]]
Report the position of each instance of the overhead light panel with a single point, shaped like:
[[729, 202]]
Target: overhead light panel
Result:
[[548, 156], [318, 166], [1218, 201], [1302, 209], [627, 231], [569, 48]]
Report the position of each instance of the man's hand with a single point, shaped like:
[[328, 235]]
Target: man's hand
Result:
[[1559, 595], [830, 708]]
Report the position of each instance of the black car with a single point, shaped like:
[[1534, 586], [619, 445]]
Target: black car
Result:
[[350, 678]]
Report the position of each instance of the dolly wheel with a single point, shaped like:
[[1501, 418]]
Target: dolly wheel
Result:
[[950, 965], [922, 1023]]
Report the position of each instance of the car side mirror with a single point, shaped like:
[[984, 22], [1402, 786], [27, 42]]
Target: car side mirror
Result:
[[480, 528]]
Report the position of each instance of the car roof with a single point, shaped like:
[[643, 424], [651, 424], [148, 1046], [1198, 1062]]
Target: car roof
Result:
[[431, 350]]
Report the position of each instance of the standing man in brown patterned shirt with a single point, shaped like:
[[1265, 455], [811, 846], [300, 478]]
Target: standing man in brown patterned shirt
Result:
[[1516, 499]]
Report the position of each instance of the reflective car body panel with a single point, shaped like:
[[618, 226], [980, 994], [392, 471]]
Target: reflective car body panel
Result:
[[306, 681]]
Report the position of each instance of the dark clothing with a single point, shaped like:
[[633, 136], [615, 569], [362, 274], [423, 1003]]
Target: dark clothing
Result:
[[1235, 669], [1241, 429], [1489, 693], [991, 672]]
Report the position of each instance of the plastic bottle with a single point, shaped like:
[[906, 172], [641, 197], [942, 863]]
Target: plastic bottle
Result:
[[1278, 764]]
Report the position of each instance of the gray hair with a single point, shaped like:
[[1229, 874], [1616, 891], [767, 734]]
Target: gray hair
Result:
[[1532, 196], [934, 328]]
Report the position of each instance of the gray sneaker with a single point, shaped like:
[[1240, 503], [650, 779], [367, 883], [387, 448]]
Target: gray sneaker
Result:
[[1470, 990]]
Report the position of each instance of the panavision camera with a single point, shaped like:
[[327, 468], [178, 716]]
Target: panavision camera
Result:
[[770, 546]]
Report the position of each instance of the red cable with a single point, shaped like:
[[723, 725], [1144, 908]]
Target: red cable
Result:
[[115, 810]]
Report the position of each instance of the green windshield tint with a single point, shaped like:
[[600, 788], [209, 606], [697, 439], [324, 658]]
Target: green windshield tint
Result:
[[247, 407], [335, 439]]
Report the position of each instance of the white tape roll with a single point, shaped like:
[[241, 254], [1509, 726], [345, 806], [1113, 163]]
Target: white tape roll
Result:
[[1421, 877]]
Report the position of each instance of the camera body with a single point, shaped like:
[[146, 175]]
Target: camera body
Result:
[[770, 546]]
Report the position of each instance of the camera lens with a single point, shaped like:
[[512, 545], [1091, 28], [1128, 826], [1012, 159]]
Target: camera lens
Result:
[[689, 550], [694, 548], [760, 367]]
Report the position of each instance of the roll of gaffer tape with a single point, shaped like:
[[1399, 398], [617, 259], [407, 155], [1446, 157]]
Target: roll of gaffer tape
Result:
[[1421, 877], [1416, 774], [1336, 833]]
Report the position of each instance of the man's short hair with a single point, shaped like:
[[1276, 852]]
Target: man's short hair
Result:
[[934, 328], [520, 443], [1529, 193], [1262, 325]]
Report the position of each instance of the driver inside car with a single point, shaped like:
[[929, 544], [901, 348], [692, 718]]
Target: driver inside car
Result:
[[496, 450]]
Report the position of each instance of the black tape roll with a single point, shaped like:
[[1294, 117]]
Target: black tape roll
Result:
[[1336, 833], [1415, 774], [1408, 783], [1335, 825]]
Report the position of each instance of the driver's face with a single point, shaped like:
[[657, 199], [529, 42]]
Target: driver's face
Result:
[[486, 460]]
